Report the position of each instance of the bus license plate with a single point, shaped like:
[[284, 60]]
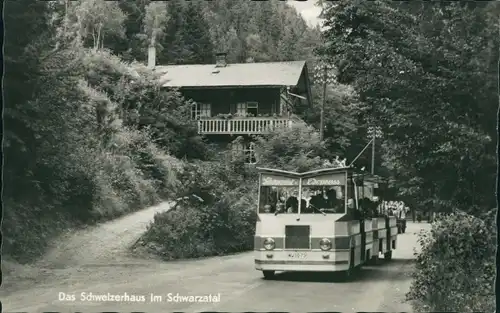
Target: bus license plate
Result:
[[297, 255]]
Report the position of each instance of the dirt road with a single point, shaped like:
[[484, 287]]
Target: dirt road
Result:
[[77, 253], [232, 278]]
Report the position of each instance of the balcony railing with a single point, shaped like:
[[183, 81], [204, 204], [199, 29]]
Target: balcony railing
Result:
[[240, 126]]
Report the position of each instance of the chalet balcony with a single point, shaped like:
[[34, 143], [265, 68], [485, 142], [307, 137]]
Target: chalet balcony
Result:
[[243, 126]]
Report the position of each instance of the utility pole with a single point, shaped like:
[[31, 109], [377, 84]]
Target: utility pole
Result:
[[374, 132], [322, 118], [323, 75], [373, 154]]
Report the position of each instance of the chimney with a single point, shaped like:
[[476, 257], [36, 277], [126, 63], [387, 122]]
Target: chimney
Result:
[[221, 59], [151, 57]]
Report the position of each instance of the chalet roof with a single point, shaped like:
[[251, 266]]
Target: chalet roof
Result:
[[234, 74]]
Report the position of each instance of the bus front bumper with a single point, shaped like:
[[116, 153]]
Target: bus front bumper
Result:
[[302, 261]]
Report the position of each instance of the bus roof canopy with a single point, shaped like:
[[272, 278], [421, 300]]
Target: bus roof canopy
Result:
[[323, 171]]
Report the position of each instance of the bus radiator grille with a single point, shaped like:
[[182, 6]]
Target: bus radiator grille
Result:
[[297, 237]]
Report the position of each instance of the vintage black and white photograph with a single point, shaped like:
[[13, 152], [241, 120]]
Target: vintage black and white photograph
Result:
[[250, 156]]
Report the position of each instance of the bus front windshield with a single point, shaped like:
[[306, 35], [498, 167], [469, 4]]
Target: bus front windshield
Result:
[[326, 199], [315, 200], [279, 199]]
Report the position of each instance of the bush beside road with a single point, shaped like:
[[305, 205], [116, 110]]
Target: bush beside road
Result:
[[455, 270], [216, 217]]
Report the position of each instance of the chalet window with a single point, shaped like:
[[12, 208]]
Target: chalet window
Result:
[[201, 110], [247, 108]]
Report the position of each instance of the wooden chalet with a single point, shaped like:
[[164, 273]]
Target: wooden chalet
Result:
[[241, 99]]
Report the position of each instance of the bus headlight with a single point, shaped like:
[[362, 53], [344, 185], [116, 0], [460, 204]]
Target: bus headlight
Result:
[[269, 244], [325, 244]]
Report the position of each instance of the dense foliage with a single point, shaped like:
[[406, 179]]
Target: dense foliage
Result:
[[455, 271], [217, 216], [343, 114], [430, 71], [427, 75], [72, 153], [296, 149]]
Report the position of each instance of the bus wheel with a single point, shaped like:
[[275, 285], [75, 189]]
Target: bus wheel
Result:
[[268, 274], [388, 256]]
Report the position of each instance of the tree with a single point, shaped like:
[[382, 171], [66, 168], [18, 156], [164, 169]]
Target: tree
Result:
[[228, 41], [131, 47], [293, 149], [176, 52], [341, 120], [154, 23], [196, 36], [97, 19], [255, 49], [426, 72]]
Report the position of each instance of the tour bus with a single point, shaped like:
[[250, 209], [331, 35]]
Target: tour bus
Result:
[[312, 222], [384, 228]]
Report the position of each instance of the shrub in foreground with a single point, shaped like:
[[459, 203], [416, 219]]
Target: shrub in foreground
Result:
[[226, 226], [222, 222], [455, 270]]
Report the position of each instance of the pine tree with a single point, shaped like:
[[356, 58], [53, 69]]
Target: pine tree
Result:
[[131, 47], [174, 50], [196, 35]]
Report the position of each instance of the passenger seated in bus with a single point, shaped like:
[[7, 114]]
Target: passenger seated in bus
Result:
[[270, 203], [332, 202], [338, 202], [267, 208], [317, 201], [292, 204], [307, 208], [280, 205], [306, 199]]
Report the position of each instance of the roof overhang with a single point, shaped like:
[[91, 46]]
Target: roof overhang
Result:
[[323, 171]]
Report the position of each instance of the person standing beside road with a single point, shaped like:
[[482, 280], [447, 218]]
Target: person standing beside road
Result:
[[402, 213]]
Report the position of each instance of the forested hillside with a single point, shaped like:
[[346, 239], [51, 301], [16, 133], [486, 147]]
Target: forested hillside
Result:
[[192, 31]]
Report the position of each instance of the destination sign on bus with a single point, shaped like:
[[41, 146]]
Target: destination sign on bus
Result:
[[325, 180], [279, 181]]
